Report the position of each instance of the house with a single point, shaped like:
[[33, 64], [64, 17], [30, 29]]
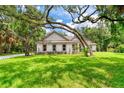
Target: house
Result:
[[55, 42]]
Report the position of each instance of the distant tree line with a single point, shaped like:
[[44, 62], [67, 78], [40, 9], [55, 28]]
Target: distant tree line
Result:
[[108, 36]]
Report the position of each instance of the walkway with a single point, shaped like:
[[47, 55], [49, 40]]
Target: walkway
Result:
[[10, 56]]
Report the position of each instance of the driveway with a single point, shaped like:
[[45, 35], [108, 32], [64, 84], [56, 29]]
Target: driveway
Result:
[[10, 56]]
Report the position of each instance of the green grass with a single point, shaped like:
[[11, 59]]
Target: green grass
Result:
[[101, 70]]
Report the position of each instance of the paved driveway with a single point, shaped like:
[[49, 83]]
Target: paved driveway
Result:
[[10, 56]]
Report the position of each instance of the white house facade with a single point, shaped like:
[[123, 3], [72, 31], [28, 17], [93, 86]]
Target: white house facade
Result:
[[55, 42]]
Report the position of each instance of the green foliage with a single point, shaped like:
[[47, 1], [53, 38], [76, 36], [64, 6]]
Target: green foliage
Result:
[[85, 51], [100, 35], [120, 48], [111, 49], [15, 19], [108, 10], [117, 32], [24, 22]]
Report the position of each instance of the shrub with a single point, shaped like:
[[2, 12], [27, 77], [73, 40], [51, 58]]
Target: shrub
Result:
[[85, 50], [110, 50], [120, 48]]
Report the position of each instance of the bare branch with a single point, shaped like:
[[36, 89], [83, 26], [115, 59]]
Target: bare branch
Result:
[[107, 18], [66, 27], [85, 10], [48, 12], [73, 32], [93, 13]]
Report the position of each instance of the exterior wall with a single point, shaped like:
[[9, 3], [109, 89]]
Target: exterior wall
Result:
[[49, 48], [39, 48], [93, 47], [59, 48], [69, 48]]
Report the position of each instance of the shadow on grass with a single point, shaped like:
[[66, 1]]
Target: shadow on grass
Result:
[[62, 72]]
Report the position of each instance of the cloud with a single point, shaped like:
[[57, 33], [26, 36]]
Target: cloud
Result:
[[74, 25], [61, 14], [70, 24], [59, 20], [85, 24], [89, 24]]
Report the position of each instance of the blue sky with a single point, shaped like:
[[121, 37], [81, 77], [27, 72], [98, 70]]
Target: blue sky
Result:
[[60, 15]]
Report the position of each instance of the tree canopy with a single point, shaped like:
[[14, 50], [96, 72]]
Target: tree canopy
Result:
[[21, 24]]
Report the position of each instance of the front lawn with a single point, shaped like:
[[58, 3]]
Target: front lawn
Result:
[[101, 70]]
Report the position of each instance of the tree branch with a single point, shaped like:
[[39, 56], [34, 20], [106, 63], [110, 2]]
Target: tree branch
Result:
[[48, 12], [60, 27]]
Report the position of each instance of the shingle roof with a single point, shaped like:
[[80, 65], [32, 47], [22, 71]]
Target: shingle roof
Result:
[[70, 39], [48, 34]]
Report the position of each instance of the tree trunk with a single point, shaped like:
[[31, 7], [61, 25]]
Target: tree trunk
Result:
[[84, 43], [9, 48], [27, 48], [1, 50], [27, 53]]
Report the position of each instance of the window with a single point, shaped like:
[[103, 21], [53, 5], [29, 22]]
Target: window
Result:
[[44, 47], [73, 47], [64, 47], [54, 47]]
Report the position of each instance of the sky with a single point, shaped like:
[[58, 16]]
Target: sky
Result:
[[60, 15]]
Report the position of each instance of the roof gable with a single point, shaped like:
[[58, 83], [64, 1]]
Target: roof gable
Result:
[[53, 36], [75, 39]]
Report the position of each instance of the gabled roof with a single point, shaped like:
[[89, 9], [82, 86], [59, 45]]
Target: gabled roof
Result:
[[86, 39], [69, 39], [49, 34]]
